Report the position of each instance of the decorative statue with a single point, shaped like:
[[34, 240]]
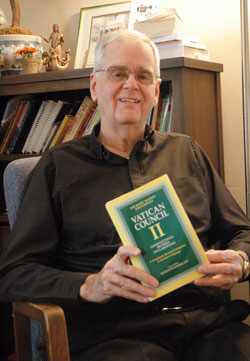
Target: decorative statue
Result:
[[56, 59]]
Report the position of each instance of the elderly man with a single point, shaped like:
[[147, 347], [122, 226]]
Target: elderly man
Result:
[[64, 248]]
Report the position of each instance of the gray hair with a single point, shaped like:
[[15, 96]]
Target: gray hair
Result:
[[120, 35]]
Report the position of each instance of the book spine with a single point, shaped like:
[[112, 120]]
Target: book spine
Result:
[[11, 121], [39, 126], [60, 134], [37, 118], [84, 124], [12, 127], [164, 113], [80, 117], [18, 127], [93, 121], [47, 127], [26, 125]]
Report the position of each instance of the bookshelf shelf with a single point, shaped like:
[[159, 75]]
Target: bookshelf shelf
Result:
[[196, 104]]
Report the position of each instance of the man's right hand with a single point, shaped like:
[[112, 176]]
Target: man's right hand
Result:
[[119, 278]]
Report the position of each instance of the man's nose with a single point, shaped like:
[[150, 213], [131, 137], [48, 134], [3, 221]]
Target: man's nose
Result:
[[131, 81]]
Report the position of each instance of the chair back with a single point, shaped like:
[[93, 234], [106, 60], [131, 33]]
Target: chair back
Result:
[[14, 180]]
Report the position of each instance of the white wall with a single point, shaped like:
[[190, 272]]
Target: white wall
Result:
[[217, 23]]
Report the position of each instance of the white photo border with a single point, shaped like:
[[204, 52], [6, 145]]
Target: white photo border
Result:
[[85, 25]]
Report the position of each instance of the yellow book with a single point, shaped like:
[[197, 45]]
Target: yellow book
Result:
[[67, 122], [153, 219]]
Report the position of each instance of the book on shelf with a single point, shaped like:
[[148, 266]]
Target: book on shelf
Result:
[[7, 127], [156, 111], [75, 107], [46, 126], [153, 219], [177, 36], [93, 121], [27, 142], [25, 126], [79, 118], [49, 138], [10, 108], [86, 122], [164, 113], [168, 122], [20, 117], [47, 111], [66, 124], [65, 109], [160, 27], [17, 116], [175, 50], [165, 117]]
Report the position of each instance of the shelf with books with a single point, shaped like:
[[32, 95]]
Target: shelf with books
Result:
[[34, 125], [195, 107]]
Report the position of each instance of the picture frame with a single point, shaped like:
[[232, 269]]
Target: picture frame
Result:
[[94, 21]]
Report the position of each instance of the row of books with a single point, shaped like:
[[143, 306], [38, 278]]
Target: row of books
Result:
[[164, 26], [181, 45], [33, 125], [161, 117]]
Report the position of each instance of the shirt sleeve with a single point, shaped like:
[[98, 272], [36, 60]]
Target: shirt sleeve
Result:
[[230, 228], [26, 271]]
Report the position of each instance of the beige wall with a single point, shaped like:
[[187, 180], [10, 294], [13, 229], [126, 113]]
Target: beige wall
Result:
[[216, 23]]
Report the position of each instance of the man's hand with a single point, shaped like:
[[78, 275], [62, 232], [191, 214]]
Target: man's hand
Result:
[[224, 270], [119, 278]]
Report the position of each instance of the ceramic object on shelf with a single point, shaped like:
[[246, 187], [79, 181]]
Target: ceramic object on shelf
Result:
[[9, 44]]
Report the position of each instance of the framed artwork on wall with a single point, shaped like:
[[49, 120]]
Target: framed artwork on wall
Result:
[[94, 22]]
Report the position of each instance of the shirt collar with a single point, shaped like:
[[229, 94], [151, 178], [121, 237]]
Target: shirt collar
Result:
[[102, 153]]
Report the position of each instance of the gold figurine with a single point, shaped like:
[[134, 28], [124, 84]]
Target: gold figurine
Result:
[[56, 59]]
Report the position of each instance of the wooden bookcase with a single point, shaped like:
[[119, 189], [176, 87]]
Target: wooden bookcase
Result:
[[196, 105]]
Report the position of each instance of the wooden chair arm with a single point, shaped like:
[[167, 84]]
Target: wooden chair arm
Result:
[[52, 318]]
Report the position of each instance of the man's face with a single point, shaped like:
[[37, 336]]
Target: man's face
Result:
[[128, 101]]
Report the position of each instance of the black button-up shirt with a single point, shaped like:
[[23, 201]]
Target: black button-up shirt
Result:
[[63, 232]]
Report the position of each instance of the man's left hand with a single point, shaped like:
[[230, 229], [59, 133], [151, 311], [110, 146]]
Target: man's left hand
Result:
[[225, 269]]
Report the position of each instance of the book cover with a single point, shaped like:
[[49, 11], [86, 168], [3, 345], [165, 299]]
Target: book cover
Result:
[[80, 117], [165, 119], [10, 108], [160, 27], [175, 51], [50, 137], [153, 219], [41, 125], [47, 126], [65, 109], [93, 121], [66, 124], [26, 125], [87, 121], [19, 120], [12, 127], [26, 145]]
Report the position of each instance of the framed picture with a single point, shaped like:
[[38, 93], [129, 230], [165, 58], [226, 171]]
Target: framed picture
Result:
[[94, 22]]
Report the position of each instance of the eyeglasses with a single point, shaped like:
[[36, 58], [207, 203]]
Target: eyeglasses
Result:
[[120, 74]]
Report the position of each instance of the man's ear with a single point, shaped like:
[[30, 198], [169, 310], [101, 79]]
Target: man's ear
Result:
[[93, 86], [157, 91]]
